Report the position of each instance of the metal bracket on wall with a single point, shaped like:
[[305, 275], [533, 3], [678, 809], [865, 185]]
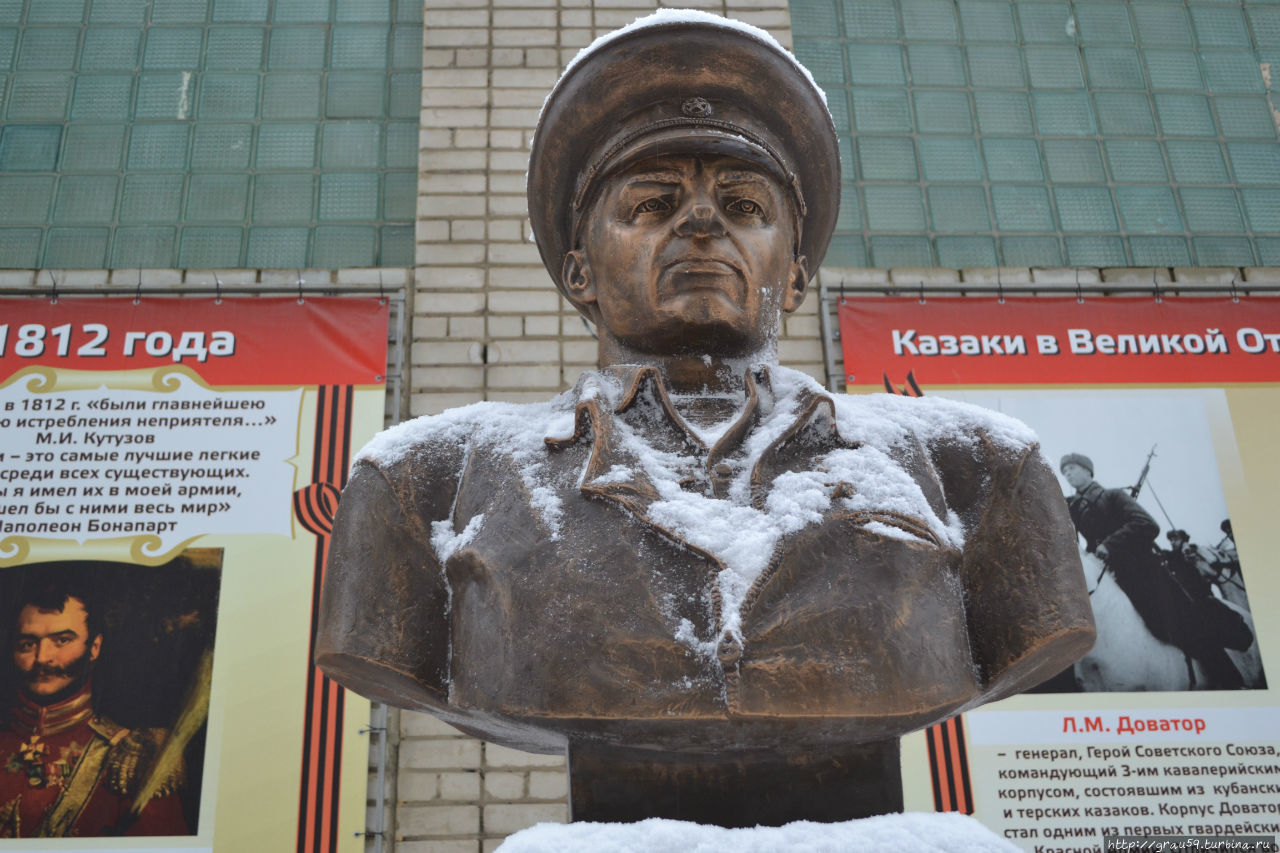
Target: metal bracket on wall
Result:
[[378, 728]]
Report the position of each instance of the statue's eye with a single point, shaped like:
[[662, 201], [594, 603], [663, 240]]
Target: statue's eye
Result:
[[653, 205], [745, 206]]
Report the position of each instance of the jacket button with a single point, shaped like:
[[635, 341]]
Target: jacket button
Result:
[[729, 651]]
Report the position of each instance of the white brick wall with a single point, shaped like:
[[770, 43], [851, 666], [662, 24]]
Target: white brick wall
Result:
[[457, 793]]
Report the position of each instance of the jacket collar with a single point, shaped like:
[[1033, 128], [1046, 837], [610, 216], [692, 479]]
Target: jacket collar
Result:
[[1091, 492], [32, 718], [624, 401]]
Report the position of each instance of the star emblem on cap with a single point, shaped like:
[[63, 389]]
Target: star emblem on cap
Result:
[[696, 108]]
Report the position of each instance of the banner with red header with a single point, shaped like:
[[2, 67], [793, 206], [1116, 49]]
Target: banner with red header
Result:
[[1161, 417], [168, 477], [1039, 341], [267, 341]]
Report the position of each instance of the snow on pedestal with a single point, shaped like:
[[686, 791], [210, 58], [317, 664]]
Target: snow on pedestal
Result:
[[918, 832]]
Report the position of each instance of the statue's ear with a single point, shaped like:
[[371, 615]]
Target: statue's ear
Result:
[[575, 275], [793, 296]]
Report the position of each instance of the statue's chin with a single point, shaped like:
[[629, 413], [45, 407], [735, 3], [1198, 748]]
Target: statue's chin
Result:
[[716, 286], [713, 333], [709, 342]]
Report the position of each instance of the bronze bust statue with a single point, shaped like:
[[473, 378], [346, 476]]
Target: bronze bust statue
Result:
[[698, 570]]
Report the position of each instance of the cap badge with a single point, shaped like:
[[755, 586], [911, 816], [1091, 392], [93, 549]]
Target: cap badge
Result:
[[696, 108]]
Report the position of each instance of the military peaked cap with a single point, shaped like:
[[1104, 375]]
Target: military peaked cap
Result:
[[681, 82]]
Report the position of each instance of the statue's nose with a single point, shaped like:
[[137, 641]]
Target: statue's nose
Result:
[[701, 220]]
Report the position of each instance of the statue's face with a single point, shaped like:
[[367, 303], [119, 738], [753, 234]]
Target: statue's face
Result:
[[691, 254]]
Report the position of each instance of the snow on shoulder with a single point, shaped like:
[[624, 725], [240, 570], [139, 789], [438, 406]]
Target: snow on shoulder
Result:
[[883, 419], [521, 429], [914, 832], [742, 535], [522, 424]]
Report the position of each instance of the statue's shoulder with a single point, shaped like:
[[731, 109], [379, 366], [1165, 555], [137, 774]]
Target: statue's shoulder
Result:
[[936, 423], [440, 443]]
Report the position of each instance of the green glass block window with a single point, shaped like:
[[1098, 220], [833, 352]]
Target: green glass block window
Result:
[[86, 198], [943, 111], [1045, 132], [1103, 23], [887, 158], [278, 247], [29, 148], [1114, 68], [1212, 209], [947, 158], [868, 20], [218, 133], [987, 20], [959, 208], [996, 65], [966, 251], [815, 19], [284, 198], [152, 198], [1022, 208], [894, 208], [1162, 23], [143, 247], [1013, 159], [881, 109], [929, 19], [1074, 161]]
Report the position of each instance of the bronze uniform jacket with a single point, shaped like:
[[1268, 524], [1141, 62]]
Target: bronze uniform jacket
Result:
[[519, 583]]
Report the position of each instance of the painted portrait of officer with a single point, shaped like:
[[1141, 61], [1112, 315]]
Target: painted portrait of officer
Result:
[[103, 659]]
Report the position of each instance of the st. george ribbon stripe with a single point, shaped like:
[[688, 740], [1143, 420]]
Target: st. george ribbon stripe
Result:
[[315, 506], [949, 767]]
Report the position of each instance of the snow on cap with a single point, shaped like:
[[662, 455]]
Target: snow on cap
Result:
[[669, 16], [681, 81]]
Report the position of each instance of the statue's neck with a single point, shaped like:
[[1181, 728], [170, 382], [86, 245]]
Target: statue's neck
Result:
[[708, 410], [715, 377]]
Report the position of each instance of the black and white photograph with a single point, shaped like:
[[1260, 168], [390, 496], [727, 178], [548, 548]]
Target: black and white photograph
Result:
[[1142, 474]]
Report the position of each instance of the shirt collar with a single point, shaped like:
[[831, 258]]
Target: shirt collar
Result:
[[646, 397]]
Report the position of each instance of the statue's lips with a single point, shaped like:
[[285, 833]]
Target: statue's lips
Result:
[[690, 274]]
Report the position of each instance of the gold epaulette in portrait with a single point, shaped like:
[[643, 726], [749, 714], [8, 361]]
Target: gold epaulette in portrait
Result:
[[132, 763]]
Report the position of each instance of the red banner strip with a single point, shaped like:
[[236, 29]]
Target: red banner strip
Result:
[[1055, 340], [261, 341]]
